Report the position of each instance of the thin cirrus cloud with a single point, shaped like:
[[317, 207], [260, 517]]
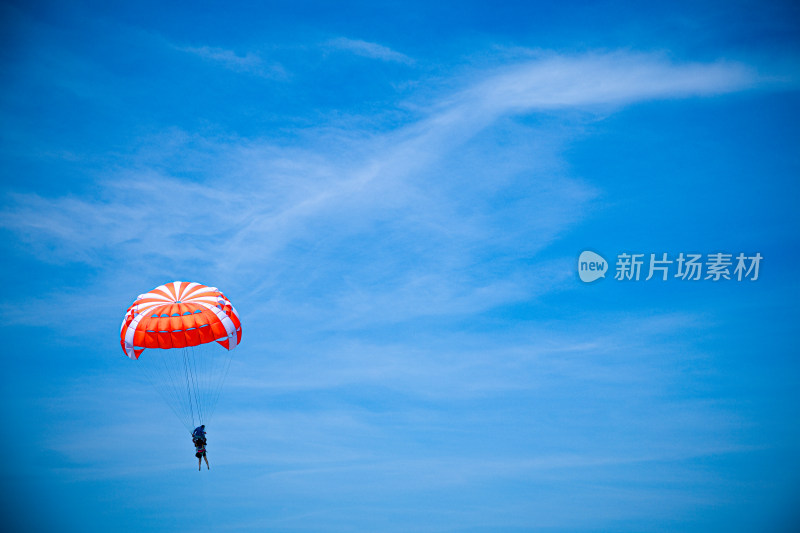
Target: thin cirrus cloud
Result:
[[369, 50], [427, 184], [249, 63], [405, 154]]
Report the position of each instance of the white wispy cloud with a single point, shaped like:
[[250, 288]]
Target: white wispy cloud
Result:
[[370, 50], [390, 224], [554, 81], [438, 363], [250, 62]]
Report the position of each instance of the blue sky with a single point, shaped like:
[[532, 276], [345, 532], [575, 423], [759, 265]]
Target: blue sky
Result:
[[394, 196]]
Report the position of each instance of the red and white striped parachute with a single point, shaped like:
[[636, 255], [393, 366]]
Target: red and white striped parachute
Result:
[[182, 335], [177, 315]]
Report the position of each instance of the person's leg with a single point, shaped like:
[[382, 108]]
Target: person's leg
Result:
[[199, 463], [206, 458]]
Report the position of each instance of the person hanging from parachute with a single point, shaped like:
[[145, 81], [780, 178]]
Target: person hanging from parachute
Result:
[[181, 326], [200, 441]]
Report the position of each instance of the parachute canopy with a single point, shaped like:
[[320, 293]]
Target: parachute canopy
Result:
[[177, 315], [181, 334]]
